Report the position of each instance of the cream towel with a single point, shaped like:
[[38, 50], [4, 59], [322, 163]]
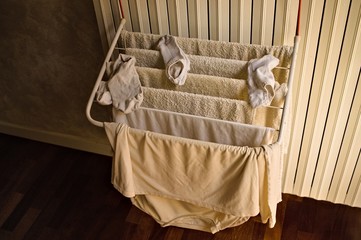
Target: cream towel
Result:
[[233, 183], [212, 107], [204, 65], [123, 89], [205, 85], [225, 68], [219, 49], [198, 128], [196, 83], [212, 66]]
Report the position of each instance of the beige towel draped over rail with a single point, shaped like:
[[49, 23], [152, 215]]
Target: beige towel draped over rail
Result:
[[200, 137]]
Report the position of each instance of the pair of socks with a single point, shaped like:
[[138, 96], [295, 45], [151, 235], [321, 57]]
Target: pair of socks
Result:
[[123, 89], [262, 86], [176, 62]]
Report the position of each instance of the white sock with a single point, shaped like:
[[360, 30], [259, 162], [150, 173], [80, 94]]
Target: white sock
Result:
[[261, 82], [176, 62], [124, 85], [103, 96]]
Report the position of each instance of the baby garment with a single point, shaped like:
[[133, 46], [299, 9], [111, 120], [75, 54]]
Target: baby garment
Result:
[[195, 184], [176, 62], [123, 89], [261, 82]]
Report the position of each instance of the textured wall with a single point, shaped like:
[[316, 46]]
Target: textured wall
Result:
[[50, 57]]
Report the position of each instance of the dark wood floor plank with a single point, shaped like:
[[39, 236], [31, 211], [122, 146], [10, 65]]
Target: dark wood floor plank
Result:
[[275, 233], [134, 215], [49, 233], [305, 236], [9, 205], [306, 220], [52, 192], [196, 235], [290, 225], [244, 231], [174, 233], [15, 161], [26, 223], [259, 231], [41, 228], [325, 219], [35, 181], [353, 223], [6, 235], [144, 229]]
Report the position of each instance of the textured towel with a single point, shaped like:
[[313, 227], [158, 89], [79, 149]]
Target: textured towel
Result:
[[210, 48], [196, 83], [213, 66], [123, 89], [198, 128], [261, 82], [176, 62], [212, 107], [204, 65], [205, 85]]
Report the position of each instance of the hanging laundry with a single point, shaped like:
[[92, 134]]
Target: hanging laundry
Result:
[[196, 184], [123, 88], [176, 62], [262, 86]]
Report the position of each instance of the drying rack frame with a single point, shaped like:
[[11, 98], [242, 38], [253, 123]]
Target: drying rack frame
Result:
[[286, 106]]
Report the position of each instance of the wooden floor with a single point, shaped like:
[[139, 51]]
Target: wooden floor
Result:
[[50, 192]]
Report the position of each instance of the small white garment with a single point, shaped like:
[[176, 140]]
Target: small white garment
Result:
[[261, 82], [103, 96], [176, 62], [123, 89]]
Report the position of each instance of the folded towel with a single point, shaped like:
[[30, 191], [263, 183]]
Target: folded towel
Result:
[[261, 82], [210, 48], [211, 107], [176, 62], [196, 83], [123, 89], [212, 66], [195, 127]]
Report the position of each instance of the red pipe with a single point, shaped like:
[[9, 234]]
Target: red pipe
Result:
[[298, 18], [121, 8]]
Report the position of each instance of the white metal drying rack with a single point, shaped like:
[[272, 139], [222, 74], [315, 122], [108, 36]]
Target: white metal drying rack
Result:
[[112, 47]]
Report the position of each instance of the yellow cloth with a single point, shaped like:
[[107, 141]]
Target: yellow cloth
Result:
[[214, 186]]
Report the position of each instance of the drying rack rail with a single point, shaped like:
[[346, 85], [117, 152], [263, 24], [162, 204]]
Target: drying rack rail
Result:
[[286, 107]]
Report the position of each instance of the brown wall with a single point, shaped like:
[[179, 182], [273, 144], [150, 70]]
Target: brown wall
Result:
[[50, 55]]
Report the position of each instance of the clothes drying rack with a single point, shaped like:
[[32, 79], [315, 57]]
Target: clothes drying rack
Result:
[[272, 177], [113, 47]]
